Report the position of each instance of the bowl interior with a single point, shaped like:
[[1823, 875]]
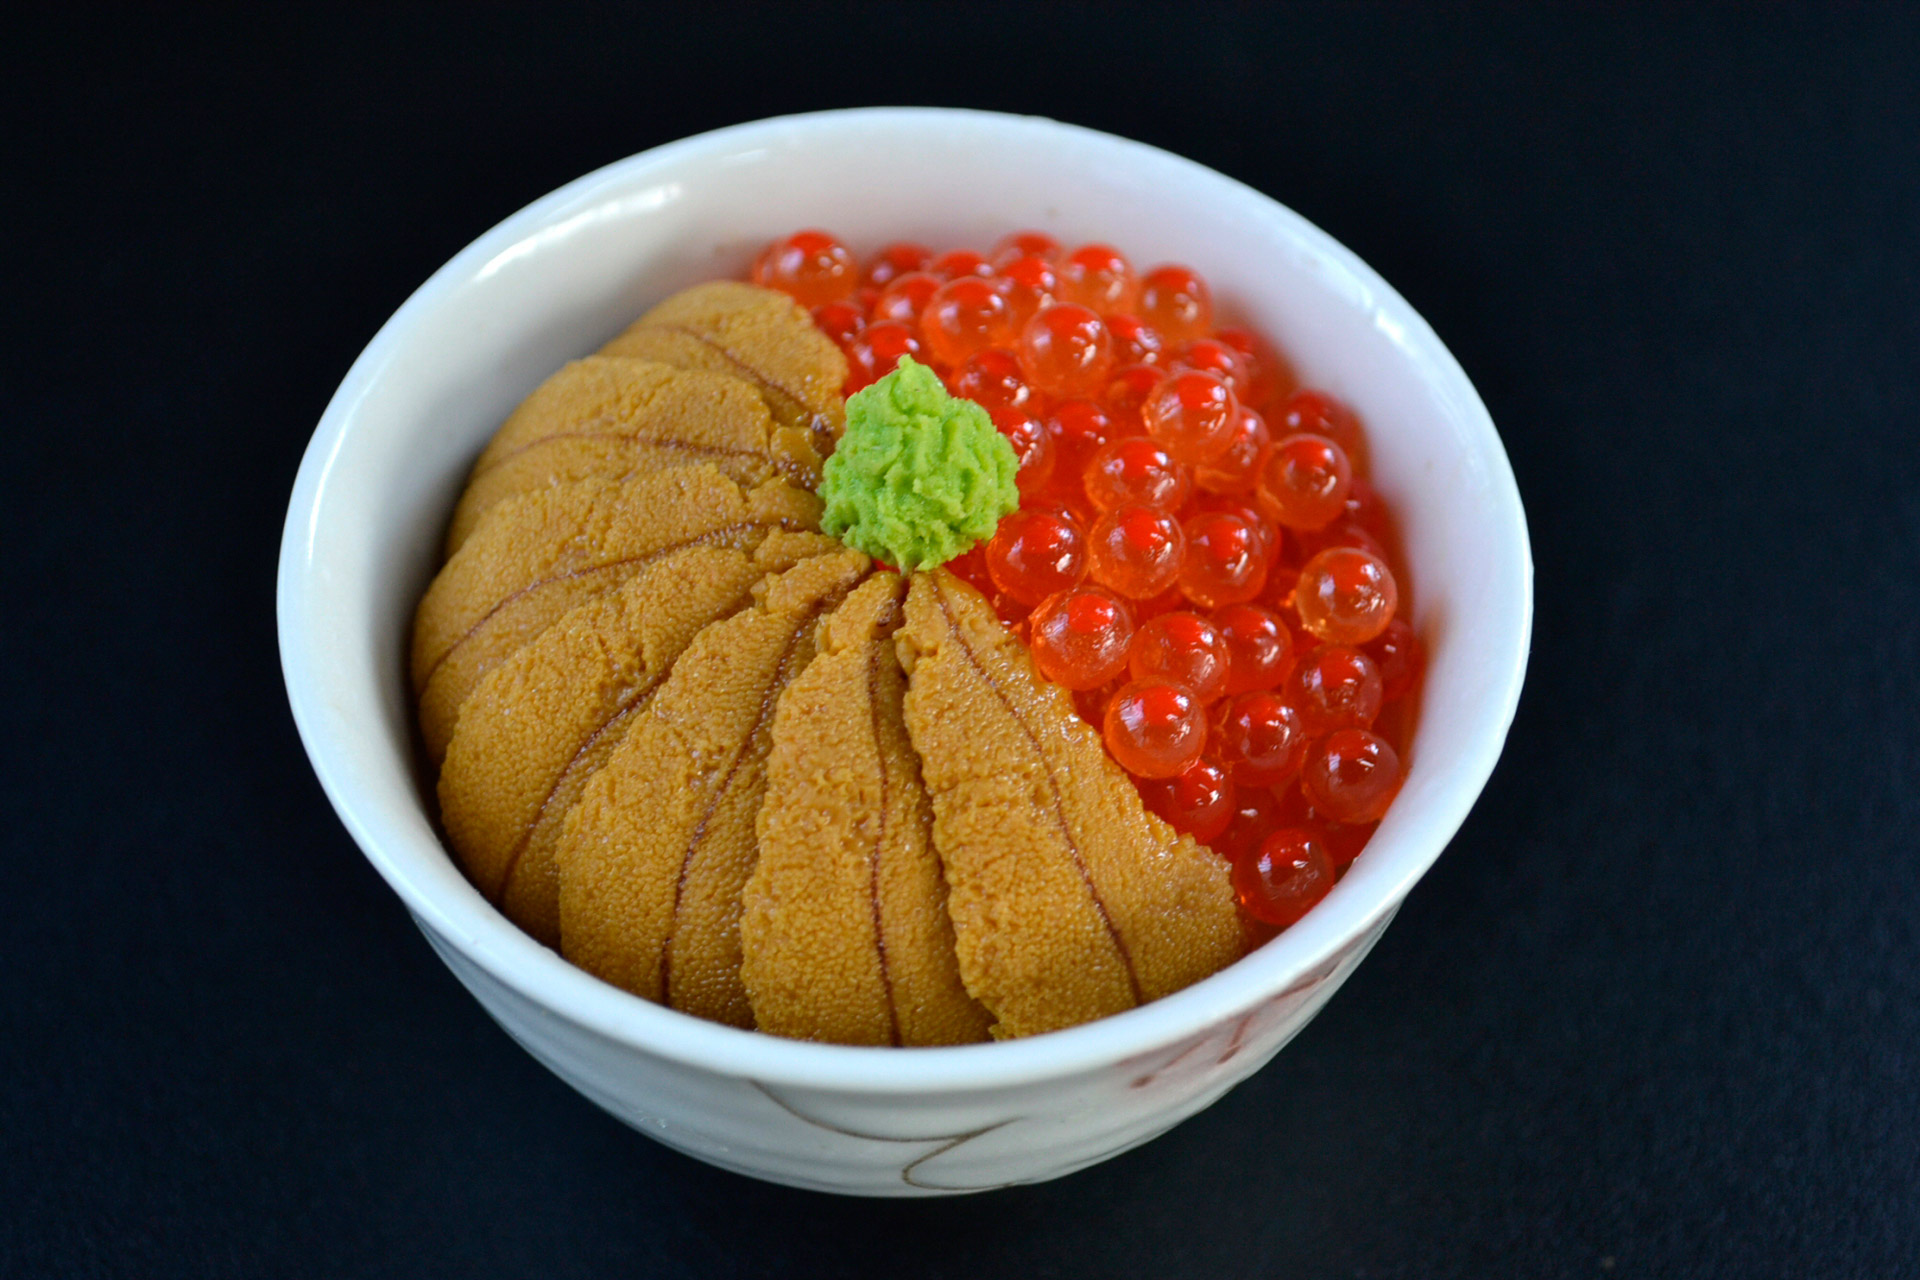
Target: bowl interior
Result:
[[560, 277]]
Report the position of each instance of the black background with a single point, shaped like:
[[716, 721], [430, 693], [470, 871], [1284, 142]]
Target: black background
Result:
[[1656, 1012]]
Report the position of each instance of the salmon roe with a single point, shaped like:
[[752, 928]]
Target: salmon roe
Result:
[[1081, 638], [1197, 555], [811, 265], [1136, 550], [1065, 350]]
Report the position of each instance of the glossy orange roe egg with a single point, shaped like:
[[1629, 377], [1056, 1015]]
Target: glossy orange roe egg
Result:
[[1030, 284], [1335, 687], [893, 261], [1098, 276], [1135, 469], [1261, 739], [1065, 351], [956, 263], [1346, 595], [841, 321], [1034, 554], [1237, 469], [1304, 484], [905, 297], [1136, 550], [1079, 428], [1352, 775], [1181, 648], [1270, 378], [1284, 878], [1257, 812], [966, 315], [1080, 638], [810, 266], [1193, 415], [1396, 651], [1177, 302], [1319, 414], [1154, 730], [1125, 398], [1258, 645], [876, 350], [992, 380], [1032, 448], [1210, 355], [1223, 564], [1271, 543], [1025, 244], [1134, 340], [1198, 801]]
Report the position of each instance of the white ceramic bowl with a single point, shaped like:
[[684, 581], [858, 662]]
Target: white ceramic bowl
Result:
[[564, 274]]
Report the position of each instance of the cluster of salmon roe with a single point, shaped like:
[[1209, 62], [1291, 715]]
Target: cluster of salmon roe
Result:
[[1197, 554]]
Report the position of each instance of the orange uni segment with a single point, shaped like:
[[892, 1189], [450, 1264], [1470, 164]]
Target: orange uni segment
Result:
[[543, 721], [533, 557], [653, 857], [612, 418], [845, 936], [759, 335], [1069, 901]]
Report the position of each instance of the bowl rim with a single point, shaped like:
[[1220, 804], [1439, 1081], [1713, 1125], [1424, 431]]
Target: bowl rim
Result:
[[488, 940]]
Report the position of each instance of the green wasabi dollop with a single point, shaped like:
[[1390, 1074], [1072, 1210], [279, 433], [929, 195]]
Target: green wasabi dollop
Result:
[[919, 475]]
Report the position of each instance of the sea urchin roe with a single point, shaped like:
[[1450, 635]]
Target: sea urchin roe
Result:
[[761, 336], [653, 858], [920, 475], [534, 556], [844, 934], [544, 721], [1069, 901]]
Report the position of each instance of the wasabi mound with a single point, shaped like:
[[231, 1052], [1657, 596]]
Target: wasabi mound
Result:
[[920, 475]]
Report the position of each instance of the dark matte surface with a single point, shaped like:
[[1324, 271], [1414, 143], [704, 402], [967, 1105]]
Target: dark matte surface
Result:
[[1657, 1012]]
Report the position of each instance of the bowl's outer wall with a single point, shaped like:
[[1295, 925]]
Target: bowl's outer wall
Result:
[[566, 273], [942, 1143]]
